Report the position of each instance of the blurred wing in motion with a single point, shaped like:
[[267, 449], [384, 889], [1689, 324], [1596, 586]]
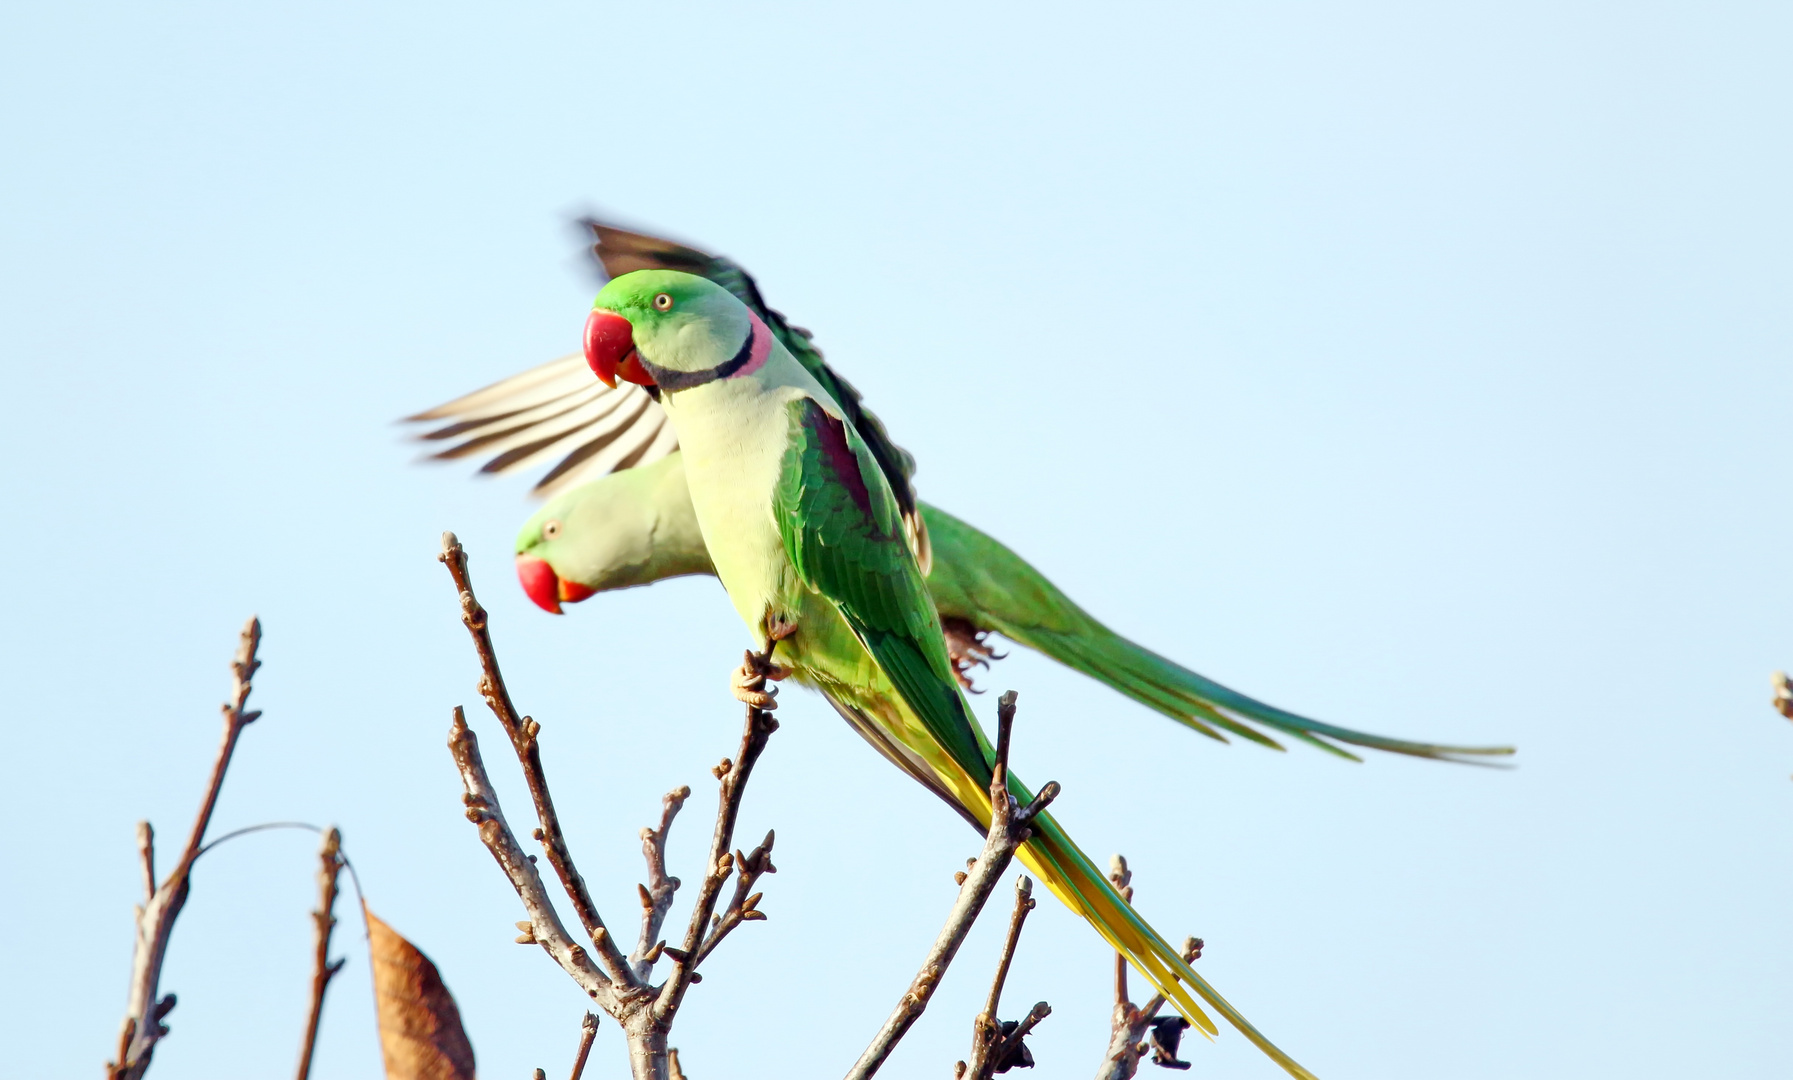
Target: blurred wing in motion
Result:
[[555, 411], [559, 411]]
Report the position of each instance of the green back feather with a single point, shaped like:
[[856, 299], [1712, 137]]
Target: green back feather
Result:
[[842, 532]]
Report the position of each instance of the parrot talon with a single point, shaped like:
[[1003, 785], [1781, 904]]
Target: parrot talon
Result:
[[779, 627], [968, 648], [749, 687]]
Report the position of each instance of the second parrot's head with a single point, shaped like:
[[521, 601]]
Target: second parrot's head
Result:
[[630, 528], [585, 541], [671, 330]]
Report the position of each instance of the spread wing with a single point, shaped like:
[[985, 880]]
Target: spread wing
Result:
[[843, 532], [555, 411]]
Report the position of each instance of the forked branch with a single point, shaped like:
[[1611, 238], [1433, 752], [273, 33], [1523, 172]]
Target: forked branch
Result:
[[622, 986], [703, 935], [996, 1045], [524, 735], [144, 1010], [1131, 1025], [543, 927], [1009, 829]]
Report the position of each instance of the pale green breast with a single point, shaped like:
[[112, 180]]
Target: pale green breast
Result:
[[733, 433]]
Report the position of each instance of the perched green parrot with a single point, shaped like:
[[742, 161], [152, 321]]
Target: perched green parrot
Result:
[[638, 526], [823, 557]]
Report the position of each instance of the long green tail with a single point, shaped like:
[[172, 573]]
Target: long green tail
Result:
[[977, 578]]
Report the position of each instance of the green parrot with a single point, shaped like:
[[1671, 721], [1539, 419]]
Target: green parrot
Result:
[[822, 550], [638, 526]]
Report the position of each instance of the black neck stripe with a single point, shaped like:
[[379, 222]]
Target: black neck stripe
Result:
[[671, 382]]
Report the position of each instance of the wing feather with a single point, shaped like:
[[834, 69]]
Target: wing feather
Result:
[[843, 534], [557, 410], [557, 413]]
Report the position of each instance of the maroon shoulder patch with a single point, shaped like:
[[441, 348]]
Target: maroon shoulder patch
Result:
[[831, 434]]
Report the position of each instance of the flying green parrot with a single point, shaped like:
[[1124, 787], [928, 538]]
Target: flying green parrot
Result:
[[823, 557], [638, 526]]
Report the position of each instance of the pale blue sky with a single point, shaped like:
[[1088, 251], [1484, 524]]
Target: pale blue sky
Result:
[[1421, 368]]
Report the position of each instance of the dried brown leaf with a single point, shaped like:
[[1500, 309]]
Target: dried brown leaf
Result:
[[420, 1027]]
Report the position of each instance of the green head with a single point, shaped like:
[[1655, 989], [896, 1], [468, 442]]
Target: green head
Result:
[[671, 331], [630, 528]]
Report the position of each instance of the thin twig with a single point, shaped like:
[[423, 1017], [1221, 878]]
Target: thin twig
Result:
[[1024, 903], [588, 1030], [733, 776], [323, 969], [995, 1046], [744, 905], [656, 895], [524, 735], [146, 853], [1122, 877], [1008, 831], [144, 1011]]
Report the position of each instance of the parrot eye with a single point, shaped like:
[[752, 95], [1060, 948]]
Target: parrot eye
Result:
[[663, 302], [550, 530]]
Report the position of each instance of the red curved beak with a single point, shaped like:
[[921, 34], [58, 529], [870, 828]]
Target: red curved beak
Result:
[[610, 349], [548, 589], [540, 583]]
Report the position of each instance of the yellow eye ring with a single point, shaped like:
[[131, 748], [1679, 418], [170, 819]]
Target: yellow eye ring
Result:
[[663, 302], [550, 530]]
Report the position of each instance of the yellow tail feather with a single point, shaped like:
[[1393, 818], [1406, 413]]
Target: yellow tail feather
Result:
[[1072, 878]]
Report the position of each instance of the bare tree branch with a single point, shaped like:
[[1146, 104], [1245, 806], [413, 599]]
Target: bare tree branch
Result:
[[588, 1030], [733, 776], [1008, 831], [645, 1012], [543, 927], [1024, 903], [524, 733], [656, 895], [997, 1046], [144, 1011], [1131, 1024], [323, 968], [644, 1025]]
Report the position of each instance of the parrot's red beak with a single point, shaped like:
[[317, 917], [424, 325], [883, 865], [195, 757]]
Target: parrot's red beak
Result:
[[610, 349], [545, 587]]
